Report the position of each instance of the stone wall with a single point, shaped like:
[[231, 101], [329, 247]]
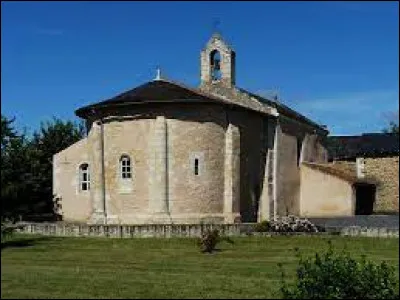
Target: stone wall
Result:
[[229, 145], [267, 203], [346, 166], [199, 137], [74, 204], [130, 231], [127, 197], [253, 148], [288, 176], [181, 231], [218, 137], [386, 171], [323, 194], [188, 134], [362, 221], [291, 135]]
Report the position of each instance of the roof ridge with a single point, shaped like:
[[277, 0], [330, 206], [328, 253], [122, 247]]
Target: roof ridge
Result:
[[235, 96], [195, 90], [284, 106]]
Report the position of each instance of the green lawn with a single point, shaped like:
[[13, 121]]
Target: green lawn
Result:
[[56, 267]]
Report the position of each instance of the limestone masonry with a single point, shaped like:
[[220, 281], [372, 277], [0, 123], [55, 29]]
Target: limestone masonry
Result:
[[167, 153]]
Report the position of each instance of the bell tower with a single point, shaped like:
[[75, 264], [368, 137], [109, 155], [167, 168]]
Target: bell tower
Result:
[[217, 62]]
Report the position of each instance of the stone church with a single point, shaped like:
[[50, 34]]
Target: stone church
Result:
[[164, 152]]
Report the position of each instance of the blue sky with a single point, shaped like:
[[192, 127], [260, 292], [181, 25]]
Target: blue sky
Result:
[[335, 62]]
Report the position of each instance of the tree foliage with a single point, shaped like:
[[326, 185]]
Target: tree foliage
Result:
[[14, 170], [26, 166], [393, 126]]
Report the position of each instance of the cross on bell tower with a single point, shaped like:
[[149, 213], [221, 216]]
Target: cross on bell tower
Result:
[[216, 23]]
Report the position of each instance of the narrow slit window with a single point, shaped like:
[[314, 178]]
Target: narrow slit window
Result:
[[84, 177], [125, 167], [299, 145], [196, 166]]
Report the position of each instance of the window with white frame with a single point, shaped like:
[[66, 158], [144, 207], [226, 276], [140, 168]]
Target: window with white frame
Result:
[[125, 167], [84, 177]]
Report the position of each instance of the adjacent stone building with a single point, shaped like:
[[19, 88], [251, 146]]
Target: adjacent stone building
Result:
[[374, 156], [164, 152]]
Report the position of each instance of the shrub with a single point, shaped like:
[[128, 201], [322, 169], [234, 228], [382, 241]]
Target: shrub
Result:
[[338, 276], [263, 226], [210, 239], [7, 230]]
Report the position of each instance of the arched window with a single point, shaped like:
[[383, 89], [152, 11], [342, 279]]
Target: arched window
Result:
[[84, 177], [215, 60], [125, 167]]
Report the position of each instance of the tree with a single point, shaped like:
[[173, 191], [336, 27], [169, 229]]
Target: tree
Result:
[[393, 126], [14, 170], [26, 166], [7, 132]]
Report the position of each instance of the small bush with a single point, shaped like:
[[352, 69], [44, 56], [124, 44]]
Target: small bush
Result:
[[263, 226], [7, 230], [338, 276], [210, 239]]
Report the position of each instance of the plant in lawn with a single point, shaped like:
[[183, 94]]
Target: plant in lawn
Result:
[[209, 240], [263, 226], [333, 275]]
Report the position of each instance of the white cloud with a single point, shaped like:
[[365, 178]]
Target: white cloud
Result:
[[352, 112], [349, 113], [352, 102]]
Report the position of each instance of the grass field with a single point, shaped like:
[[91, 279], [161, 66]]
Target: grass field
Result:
[[56, 267]]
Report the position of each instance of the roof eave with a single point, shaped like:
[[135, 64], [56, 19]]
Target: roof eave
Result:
[[84, 112], [286, 109]]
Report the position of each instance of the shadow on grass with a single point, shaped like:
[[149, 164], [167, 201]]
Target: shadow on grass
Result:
[[22, 242], [211, 252], [214, 251]]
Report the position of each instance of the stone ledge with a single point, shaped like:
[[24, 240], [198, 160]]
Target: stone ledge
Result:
[[165, 218], [181, 230]]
